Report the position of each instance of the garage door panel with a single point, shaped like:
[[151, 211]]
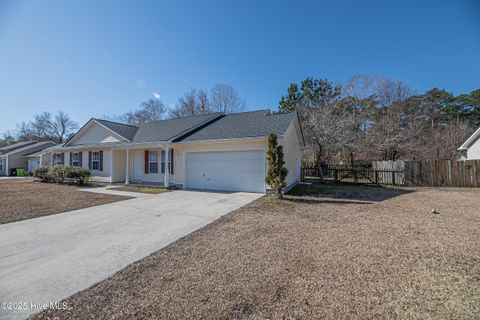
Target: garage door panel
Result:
[[231, 171]]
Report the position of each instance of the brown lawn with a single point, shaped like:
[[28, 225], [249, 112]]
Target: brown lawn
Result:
[[339, 253], [26, 199]]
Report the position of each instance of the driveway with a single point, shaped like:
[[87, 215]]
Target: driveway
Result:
[[47, 259]]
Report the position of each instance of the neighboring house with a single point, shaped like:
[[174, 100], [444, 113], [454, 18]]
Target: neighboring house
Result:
[[16, 155], [471, 148], [213, 151]]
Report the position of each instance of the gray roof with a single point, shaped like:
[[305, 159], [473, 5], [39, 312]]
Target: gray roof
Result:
[[242, 125], [211, 126], [125, 130], [6, 149], [35, 147], [164, 130]]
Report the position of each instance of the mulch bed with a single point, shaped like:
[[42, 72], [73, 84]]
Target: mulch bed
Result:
[[141, 189], [341, 254], [26, 199]]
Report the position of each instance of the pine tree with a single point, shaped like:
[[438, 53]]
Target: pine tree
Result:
[[276, 166]]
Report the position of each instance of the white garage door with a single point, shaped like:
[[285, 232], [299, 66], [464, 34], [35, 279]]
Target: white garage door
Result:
[[230, 171]]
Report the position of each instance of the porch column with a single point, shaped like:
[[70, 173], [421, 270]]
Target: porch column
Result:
[[127, 168], [6, 166], [167, 172], [111, 165]]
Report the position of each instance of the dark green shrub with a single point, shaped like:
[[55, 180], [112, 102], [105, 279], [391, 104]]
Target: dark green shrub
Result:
[[42, 173], [63, 174]]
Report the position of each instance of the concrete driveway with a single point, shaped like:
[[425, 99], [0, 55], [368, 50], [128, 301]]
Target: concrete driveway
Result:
[[47, 259]]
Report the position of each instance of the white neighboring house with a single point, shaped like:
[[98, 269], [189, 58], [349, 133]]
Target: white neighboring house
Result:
[[17, 155], [471, 148], [212, 152]]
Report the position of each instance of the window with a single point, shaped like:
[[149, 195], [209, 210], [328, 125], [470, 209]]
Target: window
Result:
[[96, 160], [169, 161], [1, 164], [75, 160], [153, 161], [58, 159], [163, 161]]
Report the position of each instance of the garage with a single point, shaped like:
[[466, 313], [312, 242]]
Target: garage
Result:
[[228, 171]]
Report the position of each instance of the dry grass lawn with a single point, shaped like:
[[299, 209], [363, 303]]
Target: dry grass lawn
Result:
[[141, 189], [26, 199], [337, 253]]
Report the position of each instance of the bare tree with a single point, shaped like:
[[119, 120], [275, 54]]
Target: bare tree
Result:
[[62, 127], [192, 103], [224, 98], [45, 126], [150, 110]]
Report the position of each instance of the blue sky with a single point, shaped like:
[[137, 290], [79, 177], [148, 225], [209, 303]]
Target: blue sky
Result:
[[91, 58]]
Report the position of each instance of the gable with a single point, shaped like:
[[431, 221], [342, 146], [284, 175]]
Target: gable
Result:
[[95, 133]]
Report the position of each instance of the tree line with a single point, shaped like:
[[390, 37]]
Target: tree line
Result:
[[377, 118], [59, 127]]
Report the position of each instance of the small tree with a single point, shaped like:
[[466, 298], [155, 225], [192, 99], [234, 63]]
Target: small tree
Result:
[[276, 166]]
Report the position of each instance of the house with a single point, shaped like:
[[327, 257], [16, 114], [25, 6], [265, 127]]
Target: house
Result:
[[213, 151], [471, 148], [17, 155]]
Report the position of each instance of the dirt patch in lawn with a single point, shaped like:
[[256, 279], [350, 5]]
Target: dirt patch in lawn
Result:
[[309, 258], [141, 189], [27, 199]]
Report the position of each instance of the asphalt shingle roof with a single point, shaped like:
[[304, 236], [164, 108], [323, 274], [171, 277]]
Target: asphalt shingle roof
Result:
[[164, 130], [8, 148], [213, 126], [34, 147], [125, 130], [242, 125]]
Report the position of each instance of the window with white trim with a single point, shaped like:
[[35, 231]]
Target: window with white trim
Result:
[[96, 160], [153, 161], [1, 164], [75, 161], [58, 159]]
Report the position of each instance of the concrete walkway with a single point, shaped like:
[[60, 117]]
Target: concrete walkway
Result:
[[47, 259]]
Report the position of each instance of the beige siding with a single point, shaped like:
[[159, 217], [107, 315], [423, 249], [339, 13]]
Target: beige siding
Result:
[[232, 145], [95, 134], [473, 153], [95, 173], [291, 146]]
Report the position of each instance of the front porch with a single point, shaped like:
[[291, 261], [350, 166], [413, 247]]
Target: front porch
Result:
[[146, 166]]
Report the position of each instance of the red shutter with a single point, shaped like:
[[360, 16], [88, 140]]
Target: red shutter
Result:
[[62, 157], [101, 160], [71, 158], [53, 159], [146, 161], [171, 161], [80, 159], [90, 160]]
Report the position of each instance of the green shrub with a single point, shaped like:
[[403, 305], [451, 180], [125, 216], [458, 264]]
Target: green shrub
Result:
[[42, 173], [63, 174]]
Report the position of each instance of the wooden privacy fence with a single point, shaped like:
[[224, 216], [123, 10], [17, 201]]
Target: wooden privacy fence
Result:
[[443, 173], [354, 175], [434, 173]]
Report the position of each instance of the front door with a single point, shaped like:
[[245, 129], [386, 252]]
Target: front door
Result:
[[138, 165]]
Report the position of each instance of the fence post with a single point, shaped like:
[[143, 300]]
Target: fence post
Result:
[[376, 177], [335, 175], [354, 175], [393, 177]]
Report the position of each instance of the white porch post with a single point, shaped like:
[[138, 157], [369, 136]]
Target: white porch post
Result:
[[40, 164], [127, 168], [6, 166], [167, 172], [111, 165]]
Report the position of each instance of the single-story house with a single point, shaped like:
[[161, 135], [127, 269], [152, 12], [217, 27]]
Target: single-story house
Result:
[[471, 148], [16, 155], [214, 151]]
